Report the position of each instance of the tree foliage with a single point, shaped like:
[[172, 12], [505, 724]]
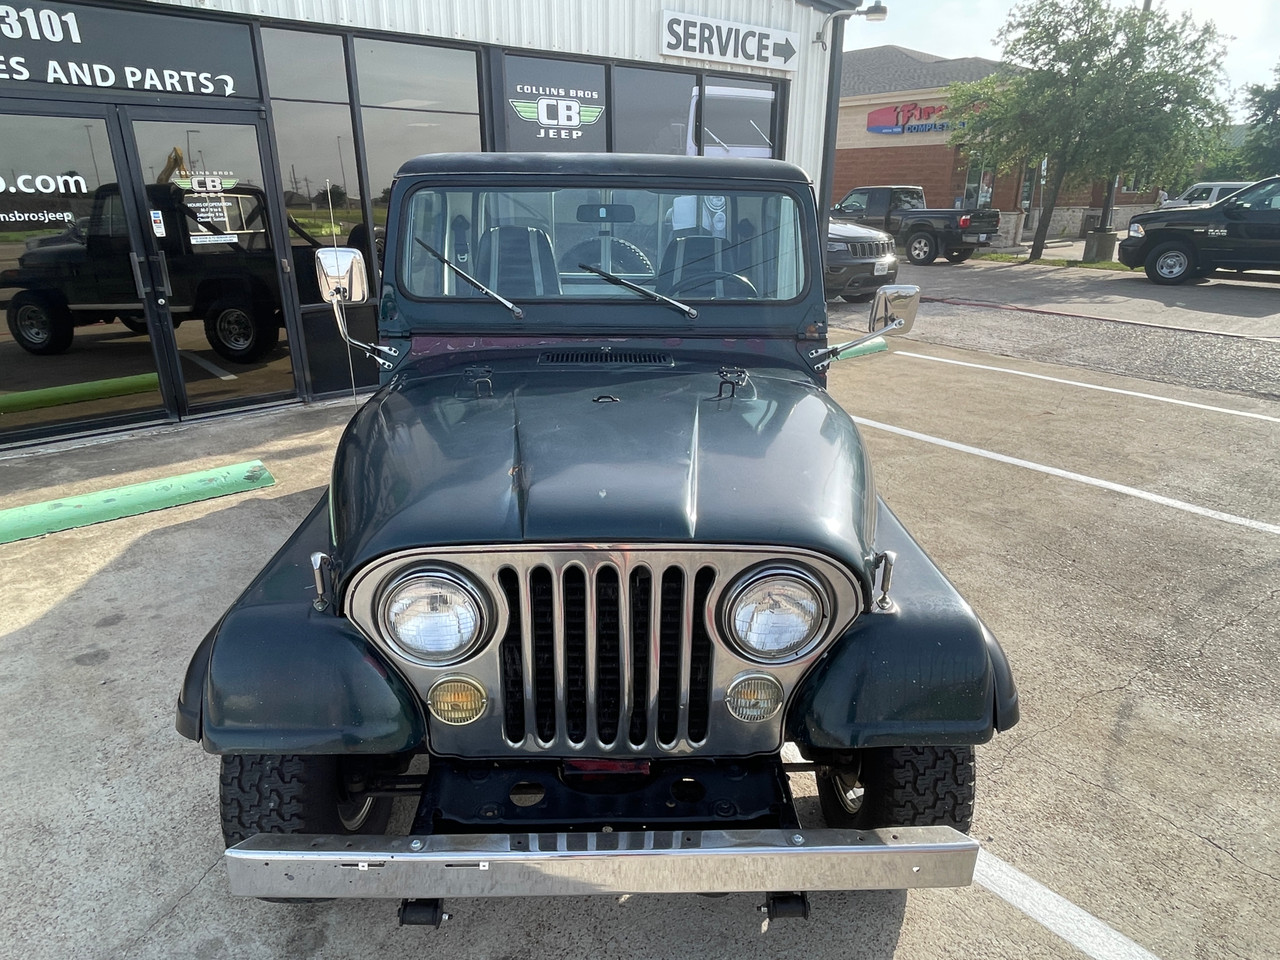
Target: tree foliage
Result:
[[1260, 154], [1097, 89]]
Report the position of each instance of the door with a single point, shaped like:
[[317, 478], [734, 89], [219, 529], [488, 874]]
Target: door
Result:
[[212, 256], [74, 353], [138, 267]]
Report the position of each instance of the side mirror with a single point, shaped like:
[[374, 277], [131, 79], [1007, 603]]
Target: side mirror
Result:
[[894, 309], [343, 280], [342, 274]]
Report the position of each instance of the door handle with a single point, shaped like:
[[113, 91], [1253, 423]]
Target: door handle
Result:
[[166, 288], [136, 262]]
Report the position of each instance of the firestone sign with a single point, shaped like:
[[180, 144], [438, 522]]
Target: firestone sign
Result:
[[910, 118], [66, 46], [727, 41]]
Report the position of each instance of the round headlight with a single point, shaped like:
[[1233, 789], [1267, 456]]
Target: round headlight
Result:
[[775, 614], [434, 616]]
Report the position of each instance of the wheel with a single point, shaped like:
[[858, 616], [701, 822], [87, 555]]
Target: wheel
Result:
[[1170, 263], [959, 256], [901, 787], [298, 794], [236, 333], [134, 324], [624, 256], [703, 284], [39, 323], [922, 249]]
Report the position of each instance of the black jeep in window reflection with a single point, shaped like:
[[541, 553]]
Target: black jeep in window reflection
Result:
[[216, 264]]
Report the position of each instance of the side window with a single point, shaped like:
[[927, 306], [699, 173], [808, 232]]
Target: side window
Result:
[[1200, 196], [855, 201]]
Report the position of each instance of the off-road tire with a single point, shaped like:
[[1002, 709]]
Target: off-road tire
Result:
[[40, 323], [959, 256], [922, 249], [903, 787], [1170, 263], [291, 794], [238, 333]]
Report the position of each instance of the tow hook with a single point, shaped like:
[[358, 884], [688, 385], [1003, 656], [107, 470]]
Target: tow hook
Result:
[[422, 913], [785, 906]]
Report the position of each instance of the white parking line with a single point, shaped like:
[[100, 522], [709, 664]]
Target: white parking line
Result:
[[1082, 930], [202, 362], [1087, 386], [1078, 477]]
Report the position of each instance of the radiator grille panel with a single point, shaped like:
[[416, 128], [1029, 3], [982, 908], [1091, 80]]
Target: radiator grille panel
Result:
[[592, 671]]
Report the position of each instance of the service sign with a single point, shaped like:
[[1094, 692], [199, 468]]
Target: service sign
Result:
[[696, 37], [63, 46]]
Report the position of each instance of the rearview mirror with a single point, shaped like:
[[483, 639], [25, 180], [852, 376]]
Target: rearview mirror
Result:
[[894, 310], [342, 275]]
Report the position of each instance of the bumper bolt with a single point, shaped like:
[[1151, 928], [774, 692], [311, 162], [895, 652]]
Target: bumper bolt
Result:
[[797, 839], [415, 845]]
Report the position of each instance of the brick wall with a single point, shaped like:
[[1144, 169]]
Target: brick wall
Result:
[[937, 168]]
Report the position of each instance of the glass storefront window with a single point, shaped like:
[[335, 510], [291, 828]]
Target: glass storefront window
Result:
[[415, 99], [304, 66], [654, 111], [737, 118]]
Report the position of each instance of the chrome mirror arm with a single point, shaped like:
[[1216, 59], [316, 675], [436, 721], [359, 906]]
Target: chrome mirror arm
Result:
[[335, 298]]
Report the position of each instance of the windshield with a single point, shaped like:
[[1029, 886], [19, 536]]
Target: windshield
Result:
[[532, 244]]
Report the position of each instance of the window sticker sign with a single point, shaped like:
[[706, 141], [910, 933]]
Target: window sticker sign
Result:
[[64, 45], [157, 223], [554, 105], [697, 37]]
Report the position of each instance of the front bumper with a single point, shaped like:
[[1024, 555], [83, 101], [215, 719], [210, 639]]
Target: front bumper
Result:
[[1130, 252], [857, 276], [574, 864]]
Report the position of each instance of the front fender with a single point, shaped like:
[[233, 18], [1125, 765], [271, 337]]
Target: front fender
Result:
[[927, 671], [277, 676]]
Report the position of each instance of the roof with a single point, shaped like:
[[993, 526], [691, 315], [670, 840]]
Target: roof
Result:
[[889, 69], [602, 165]]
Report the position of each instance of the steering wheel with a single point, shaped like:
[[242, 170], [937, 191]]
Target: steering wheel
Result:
[[624, 256], [745, 289]]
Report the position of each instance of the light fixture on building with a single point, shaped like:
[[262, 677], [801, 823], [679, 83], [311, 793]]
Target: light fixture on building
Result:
[[874, 14]]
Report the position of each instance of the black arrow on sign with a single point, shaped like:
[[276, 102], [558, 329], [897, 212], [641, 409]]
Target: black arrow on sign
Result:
[[784, 50]]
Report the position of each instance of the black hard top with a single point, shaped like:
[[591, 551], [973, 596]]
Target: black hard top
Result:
[[603, 165]]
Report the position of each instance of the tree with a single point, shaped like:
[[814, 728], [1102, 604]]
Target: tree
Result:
[[1261, 151], [1096, 89], [335, 193]]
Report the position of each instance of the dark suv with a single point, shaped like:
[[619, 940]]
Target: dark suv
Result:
[[600, 546], [1240, 232], [859, 261]]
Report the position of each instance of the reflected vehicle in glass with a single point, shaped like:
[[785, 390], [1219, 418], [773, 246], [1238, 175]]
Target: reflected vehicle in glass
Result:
[[598, 548], [216, 260]]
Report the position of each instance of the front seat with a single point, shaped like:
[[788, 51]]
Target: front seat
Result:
[[517, 262], [702, 267]]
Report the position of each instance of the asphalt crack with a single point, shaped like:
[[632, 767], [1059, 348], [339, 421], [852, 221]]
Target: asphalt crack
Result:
[[164, 916]]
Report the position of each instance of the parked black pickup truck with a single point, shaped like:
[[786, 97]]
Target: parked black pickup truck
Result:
[[1240, 232], [924, 233]]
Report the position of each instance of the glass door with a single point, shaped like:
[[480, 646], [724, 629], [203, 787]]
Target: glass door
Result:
[[214, 259], [73, 352]]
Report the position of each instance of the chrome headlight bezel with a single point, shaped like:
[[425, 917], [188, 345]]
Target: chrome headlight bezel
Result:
[[1136, 230], [759, 575], [479, 601]]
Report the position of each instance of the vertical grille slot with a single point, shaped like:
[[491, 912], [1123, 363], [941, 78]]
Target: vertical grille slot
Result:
[[512, 661], [670, 630], [544, 652], [641, 594], [608, 654], [700, 658], [575, 653]]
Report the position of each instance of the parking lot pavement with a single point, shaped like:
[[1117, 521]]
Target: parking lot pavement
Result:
[[1139, 785], [1243, 305]]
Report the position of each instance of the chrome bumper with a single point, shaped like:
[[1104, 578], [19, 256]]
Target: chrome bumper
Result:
[[573, 864]]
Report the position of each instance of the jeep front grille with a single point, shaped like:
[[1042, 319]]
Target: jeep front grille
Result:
[[605, 652], [871, 249]]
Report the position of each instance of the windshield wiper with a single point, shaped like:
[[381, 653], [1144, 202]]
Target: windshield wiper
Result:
[[684, 308], [515, 310]]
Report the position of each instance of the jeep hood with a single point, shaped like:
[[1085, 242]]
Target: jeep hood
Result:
[[536, 453]]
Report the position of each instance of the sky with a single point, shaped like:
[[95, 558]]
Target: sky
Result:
[[967, 28]]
